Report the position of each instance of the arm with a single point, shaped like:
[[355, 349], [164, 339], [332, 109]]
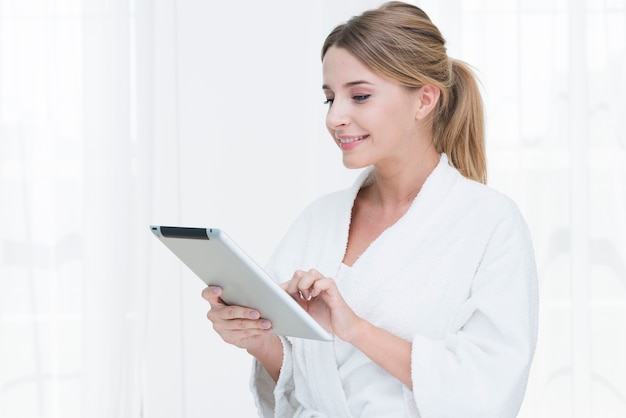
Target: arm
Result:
[[484, 360], [389, 351], [320, 297]]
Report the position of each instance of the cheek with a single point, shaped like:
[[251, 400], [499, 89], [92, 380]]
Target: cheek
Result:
[[331, 131], [399, 118]]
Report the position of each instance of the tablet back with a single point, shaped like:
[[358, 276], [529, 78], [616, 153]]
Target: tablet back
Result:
[[216, 259]]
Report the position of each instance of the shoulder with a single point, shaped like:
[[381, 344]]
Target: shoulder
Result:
[[482, 199], [449, 191], [481, 210], [502, 222]]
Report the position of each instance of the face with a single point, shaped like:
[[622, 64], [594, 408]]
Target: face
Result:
[[372, 119]]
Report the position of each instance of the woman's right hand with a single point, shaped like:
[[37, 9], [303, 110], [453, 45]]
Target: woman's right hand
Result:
[[237, 325], [244, 328]]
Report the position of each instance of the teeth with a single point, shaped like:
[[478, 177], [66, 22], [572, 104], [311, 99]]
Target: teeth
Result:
[[349, 140]]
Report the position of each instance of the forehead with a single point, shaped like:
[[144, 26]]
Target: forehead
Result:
[[340, 67]]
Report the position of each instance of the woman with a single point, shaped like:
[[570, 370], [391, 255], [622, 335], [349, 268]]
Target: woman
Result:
[[424, 275]]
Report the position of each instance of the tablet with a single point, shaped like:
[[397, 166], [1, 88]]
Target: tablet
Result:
[[216, 259]]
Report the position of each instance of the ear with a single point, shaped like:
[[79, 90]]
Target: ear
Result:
[[427, 99]]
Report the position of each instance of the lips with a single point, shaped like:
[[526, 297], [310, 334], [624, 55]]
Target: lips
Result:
[[347, 142]]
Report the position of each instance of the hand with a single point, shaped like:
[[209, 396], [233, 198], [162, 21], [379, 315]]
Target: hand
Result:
[[237, 325], [320, 297]]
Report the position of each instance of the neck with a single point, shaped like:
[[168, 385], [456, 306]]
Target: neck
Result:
[[399, 185]]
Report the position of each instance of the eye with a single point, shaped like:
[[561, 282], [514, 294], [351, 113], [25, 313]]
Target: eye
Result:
[[329, 101], [360, 98]]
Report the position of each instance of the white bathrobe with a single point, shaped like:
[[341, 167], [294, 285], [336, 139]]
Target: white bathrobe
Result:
[[455, 276]]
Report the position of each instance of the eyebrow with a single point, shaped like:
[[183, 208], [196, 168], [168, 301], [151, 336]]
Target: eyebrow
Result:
[[348, 84]]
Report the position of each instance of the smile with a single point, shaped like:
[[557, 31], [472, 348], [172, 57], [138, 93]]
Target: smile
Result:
[[350, 140]]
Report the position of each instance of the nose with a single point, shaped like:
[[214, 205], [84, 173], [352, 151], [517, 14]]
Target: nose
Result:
[[337, 116]]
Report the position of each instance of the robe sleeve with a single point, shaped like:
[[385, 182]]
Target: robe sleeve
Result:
[[481, 367], [274, 399]]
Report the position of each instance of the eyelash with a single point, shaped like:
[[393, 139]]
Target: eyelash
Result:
[[359, 98]]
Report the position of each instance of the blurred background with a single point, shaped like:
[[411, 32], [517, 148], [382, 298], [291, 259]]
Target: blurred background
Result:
[[117, 114]]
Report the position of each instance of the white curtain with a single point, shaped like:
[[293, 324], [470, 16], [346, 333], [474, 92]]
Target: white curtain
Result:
[[115, 114], [76, 125], [554, 76]]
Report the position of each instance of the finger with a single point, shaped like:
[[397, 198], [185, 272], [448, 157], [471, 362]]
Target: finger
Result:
[[243, 338], [307, 282], [291, 286], [326, 287], [241, 325], [230, 312], [221, 311], [211, 293]]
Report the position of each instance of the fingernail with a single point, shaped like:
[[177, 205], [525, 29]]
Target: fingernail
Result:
[[216, 289], [265, 324], [254, 314]]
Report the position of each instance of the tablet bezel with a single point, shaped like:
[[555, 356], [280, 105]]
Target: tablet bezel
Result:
[[217, 260]]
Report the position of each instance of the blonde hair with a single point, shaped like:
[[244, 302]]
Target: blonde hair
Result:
[[400, 42]]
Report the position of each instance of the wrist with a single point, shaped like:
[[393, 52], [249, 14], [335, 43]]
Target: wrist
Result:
[[269, 355], [268, 349]]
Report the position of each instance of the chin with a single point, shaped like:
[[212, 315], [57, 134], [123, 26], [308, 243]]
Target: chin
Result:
[[354, 164]]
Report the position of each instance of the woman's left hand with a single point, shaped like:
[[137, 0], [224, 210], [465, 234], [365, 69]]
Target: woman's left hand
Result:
[[320, 297]]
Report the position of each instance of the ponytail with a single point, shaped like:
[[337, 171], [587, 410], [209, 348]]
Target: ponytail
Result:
[[458, 125]]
